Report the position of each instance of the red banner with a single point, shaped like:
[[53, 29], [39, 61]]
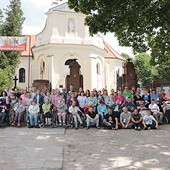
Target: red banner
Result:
[[8, 43]]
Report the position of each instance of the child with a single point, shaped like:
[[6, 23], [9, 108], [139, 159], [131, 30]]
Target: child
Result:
[[46, 107], [137, 119], [73, 109], [149, 121]]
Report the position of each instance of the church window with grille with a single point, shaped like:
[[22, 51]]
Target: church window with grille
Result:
[[21, 75]]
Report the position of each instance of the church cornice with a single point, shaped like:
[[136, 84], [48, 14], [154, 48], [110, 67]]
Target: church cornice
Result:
[[58, 46]]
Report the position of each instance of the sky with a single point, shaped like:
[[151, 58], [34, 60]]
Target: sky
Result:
[[35, 17]]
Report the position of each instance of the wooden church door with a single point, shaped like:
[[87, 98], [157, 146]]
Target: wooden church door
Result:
[[75, 78]]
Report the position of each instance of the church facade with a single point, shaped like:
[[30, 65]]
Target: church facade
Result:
[[64, 53]]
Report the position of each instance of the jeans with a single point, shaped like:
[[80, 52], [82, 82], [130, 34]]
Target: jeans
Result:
[[18, 117], [33, 118], [92, 122]]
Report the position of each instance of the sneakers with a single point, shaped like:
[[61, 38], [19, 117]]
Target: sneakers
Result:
[[136, 128], [87, 127], [139, 128]]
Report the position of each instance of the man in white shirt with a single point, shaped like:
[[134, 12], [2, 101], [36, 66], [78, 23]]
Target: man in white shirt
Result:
[[149, 121], [73, 109]]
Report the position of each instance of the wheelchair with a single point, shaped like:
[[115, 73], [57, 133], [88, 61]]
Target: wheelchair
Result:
[[5, 120], [71, 123], [14, 118]]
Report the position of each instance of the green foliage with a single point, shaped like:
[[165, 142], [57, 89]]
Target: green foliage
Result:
[[12, 26], [5, 80], [145, 71], [142, 24], [14, 20], [126, 56]]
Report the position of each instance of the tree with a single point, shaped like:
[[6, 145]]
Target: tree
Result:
[[5, 80], [1, 15], [141, 24], [145, 71], [126, 56], [11, 27]]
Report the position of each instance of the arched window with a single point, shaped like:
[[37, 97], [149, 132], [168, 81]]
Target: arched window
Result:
[[98, 68], [21, 75]]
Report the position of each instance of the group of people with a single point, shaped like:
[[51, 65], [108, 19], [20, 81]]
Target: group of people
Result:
[[130, 108]]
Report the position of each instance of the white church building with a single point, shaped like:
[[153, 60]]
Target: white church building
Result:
[[63, 40]]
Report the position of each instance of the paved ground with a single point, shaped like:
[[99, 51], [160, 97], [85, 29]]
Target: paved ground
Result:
[[23, 148], [119, 150]]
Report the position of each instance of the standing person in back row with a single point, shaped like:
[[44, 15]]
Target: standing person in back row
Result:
[[127, 93]]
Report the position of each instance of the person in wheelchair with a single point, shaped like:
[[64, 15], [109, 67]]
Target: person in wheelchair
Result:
[[2, 111], [6, 111], [46, 107], [73, 110], [62, 110], [33, 111], [19, 110]]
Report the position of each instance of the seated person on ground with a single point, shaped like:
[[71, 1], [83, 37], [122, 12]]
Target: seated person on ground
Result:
[[110, 120], [62, 110], [46, 107], [125, 119], [92, 118], [19, 110], [33, 110], [156, 111], [149, 122], [129, 105], [137, 120], [73, 109]]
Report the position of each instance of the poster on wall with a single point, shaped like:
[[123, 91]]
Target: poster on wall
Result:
[[9, 43]]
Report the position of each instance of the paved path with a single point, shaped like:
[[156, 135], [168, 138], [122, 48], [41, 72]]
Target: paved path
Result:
[[117, 150], [23, 148], [42, 149]]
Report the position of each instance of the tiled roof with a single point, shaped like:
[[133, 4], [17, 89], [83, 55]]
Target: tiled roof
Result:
[[111, 53]]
